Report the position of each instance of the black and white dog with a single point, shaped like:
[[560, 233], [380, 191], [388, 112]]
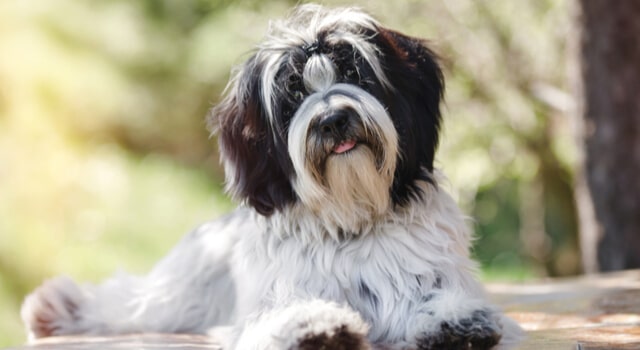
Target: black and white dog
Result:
[[345, 239]]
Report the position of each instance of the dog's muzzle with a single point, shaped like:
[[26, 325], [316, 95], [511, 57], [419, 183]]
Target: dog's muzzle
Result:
[[340, 131], [338, 121]]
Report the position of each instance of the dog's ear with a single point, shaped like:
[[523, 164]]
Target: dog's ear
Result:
[[255, 162], [417, 88]]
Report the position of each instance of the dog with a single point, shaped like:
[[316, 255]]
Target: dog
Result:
[[344, 238]]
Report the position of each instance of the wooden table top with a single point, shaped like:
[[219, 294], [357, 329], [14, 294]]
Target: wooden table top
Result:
[[589, 312]]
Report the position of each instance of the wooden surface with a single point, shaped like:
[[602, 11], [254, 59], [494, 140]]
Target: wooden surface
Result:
[[137, 341], [592, 312]]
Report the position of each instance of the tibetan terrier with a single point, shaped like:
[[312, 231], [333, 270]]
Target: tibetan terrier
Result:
[[345, 239]]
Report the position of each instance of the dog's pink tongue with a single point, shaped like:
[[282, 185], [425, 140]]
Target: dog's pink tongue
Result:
[[344, 146]]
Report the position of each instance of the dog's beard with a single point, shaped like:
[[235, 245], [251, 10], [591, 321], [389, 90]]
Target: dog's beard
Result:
[[349, 189]]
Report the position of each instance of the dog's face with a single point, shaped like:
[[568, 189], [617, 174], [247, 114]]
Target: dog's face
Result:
[[332, 112]]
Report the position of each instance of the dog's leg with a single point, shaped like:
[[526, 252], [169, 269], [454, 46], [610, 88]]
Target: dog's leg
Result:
[[188, 291], [451, 320], [305, 325]]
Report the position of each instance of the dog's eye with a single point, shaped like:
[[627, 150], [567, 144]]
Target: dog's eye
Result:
[[294, 86], [343, 50], [292, 82]]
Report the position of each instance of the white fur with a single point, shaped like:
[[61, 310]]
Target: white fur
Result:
[[319, 73], [243, 268], [399, 260]]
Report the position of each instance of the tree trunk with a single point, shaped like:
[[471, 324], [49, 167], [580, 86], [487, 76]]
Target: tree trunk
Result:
[[608, 91]]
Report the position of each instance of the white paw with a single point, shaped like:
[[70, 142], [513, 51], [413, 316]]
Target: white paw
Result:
[[306, 325], [53, 308]]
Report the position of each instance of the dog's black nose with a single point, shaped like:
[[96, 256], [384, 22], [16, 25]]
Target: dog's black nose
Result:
[[335, 123]]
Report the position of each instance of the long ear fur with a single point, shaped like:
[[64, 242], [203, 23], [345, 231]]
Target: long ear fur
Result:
[[418, 87], [257, 166]]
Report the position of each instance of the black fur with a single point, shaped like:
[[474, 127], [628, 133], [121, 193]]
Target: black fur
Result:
[[414, 106], [478, 332], [247, 140], [342, 339]]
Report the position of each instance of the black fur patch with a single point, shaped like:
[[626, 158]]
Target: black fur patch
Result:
[[477, 332], [342, 339], [414, 106], [260, 159]]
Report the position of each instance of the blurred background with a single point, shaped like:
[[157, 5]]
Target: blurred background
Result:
[[105, 161]]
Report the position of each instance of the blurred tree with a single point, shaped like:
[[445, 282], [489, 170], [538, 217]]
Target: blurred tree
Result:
[[608, 86], [509, 128]]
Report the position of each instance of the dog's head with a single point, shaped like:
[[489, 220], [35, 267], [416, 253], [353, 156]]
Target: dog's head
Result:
[[332, 112]]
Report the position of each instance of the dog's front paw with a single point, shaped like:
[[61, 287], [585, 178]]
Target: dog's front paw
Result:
[[53, 308], [480, 331], [305, 325]]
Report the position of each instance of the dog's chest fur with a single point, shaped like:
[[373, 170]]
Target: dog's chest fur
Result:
[[383, 274]]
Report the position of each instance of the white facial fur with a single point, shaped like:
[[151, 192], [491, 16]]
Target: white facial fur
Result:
[[353, 188]]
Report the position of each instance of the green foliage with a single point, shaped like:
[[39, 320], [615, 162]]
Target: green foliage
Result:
[[105, 161]]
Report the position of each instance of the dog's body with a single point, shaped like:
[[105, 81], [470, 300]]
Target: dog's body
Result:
[[346, 240]]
